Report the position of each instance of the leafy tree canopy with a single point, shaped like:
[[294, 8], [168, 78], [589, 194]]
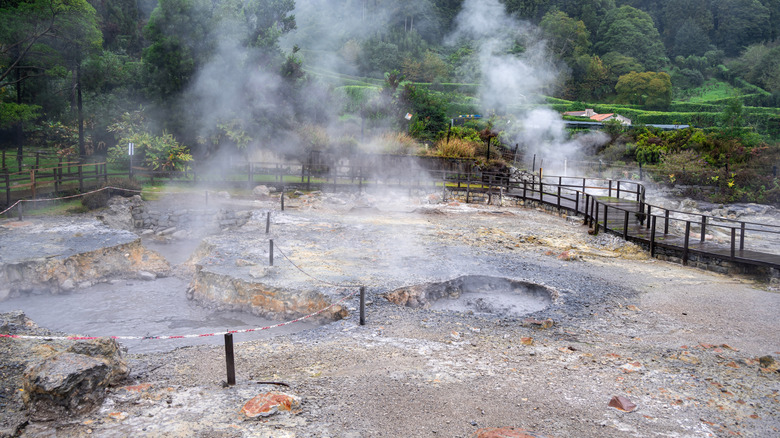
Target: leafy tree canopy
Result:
[[631, 32]]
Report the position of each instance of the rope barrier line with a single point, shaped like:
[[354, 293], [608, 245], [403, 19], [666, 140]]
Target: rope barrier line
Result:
[[204, 335], [311, 276], [67, 197]]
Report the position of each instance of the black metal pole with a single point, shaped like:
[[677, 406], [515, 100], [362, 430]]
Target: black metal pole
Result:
[[362, 305], [271, 252], [267, 222], [282, 197], [230, 360]]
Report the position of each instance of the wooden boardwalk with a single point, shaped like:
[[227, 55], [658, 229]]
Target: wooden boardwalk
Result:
[[619, 207]]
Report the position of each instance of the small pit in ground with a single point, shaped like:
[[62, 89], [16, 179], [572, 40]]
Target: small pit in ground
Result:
[[478, 294]]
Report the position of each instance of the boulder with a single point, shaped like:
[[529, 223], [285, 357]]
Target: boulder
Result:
[[262, 192], [65, 384], [72, 380]]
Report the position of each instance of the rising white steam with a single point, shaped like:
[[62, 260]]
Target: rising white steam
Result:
[[516, 70]]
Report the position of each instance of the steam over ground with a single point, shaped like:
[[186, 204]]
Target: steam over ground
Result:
[[255, 109]]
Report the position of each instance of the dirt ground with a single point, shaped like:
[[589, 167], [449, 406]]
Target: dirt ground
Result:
[[696, 352]]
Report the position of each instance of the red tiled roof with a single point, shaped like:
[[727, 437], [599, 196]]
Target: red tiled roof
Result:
[[601, 117]]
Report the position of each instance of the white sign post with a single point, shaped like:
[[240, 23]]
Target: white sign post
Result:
[[131, 152]]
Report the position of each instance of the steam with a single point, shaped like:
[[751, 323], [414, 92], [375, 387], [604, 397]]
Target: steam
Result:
[[513, 83]]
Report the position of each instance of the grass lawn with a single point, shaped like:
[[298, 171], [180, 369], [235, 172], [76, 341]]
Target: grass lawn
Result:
[[712, 90]]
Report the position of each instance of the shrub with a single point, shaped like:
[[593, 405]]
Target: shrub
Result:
[[455, 148]]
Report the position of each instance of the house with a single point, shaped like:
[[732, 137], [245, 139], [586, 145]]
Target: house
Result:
[[589, 113], [610, 116]]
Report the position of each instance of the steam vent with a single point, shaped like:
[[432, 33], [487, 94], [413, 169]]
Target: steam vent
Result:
[[477, 294]]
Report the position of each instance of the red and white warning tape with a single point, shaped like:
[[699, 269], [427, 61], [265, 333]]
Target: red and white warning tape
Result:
[[204, 335], [66, 197]]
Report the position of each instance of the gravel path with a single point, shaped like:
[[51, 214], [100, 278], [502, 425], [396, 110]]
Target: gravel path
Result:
[[695, 351]]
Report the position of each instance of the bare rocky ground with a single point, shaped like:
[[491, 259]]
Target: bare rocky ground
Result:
[[696, 352]]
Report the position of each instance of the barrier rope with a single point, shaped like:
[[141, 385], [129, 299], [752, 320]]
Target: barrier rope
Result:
[[204, 335], [66, 197], [311, 276]]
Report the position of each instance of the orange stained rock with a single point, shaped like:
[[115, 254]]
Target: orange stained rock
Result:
[[507, 432], [269, 403]]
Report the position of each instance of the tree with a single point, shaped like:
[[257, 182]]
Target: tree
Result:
[[732, 118], [528, 9], [739, 23], [649, 88], [686, 16], [46, 37], [180, 36], [596, 83], [567, 37], [430, 68], [690, 39], [631, 32]]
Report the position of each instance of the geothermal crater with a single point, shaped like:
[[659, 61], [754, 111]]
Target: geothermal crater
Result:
[[477, 294]]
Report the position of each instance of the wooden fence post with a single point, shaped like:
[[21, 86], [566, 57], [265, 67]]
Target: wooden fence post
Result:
[[733, 243], [703, 227], [81, 178], [625, 225], [685, 245], [7, 189], [742, 236], [652, 238]]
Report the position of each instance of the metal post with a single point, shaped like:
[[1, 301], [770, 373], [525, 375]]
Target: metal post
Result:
[[230, 360], [596, 217], [271, 252], [610, 188], [468, 188], [606, 226], [618, 190], [685, 245], [282, 198], [638, 195], [267, 222], [559, 197], [525, 187], [652, 238], [362, 305], [703, 227]]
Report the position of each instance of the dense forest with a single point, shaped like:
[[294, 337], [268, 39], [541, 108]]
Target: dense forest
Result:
[[197, 78]]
